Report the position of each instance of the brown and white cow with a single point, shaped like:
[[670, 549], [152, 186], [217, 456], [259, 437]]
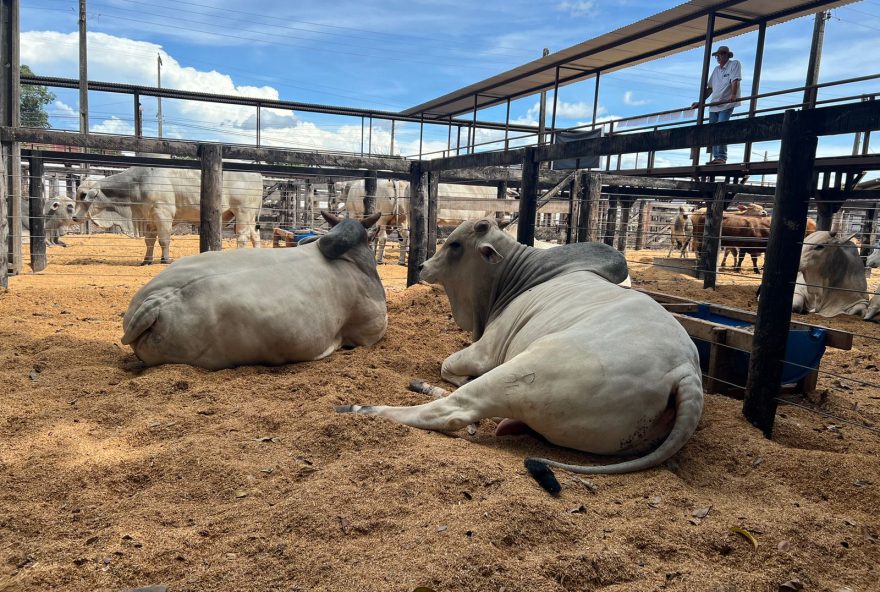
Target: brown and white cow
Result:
[[682, 231], [749, 234]]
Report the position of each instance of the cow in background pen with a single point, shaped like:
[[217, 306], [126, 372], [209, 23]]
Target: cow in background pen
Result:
[[682, 232], [148, 201]]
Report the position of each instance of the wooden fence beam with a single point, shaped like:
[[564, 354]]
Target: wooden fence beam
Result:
[[211, 228], [787, 227], [36, 203]]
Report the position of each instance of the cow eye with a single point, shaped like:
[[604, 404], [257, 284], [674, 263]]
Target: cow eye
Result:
[[819, 247], [455, 245]]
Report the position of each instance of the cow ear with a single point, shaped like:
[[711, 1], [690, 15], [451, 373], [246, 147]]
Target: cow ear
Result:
[[504, 224], [848, 238], [370, 220], [489, 254], [55, 205], [330, 218]]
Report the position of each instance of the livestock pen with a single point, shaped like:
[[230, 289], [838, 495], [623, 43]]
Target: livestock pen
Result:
[[115, 476]]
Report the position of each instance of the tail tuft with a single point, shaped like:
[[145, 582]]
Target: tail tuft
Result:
[[541, 473]]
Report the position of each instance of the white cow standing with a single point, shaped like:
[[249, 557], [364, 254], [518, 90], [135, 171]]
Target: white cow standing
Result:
[[561, 348], [148, 201], [393, 205], [270, 306], [831, 279]]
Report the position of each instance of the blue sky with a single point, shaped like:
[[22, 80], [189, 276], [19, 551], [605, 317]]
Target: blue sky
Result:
[[391, 55]]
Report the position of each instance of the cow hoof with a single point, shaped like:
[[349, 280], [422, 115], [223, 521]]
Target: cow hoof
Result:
[[145, 262], [166, 261]]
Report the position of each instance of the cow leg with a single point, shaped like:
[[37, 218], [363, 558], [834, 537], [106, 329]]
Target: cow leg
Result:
[[740, 256], [404, 245], [466, 364], [150, 240], [255, 236], [478, 399], [164, 232], [754, 255], [381, 239]]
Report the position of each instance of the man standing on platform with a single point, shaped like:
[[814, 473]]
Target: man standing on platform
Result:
[[723, 93]]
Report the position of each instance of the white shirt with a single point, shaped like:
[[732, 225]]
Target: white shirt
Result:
[[721, 80]]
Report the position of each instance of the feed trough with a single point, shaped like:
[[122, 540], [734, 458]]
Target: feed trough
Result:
[[723, 336]]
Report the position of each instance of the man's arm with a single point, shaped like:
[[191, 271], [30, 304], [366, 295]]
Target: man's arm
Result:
[[734, 90], [707, 92]]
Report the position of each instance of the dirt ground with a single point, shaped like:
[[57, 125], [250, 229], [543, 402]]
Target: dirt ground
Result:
[[113, 477]]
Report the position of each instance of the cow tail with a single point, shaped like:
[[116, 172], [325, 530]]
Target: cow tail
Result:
[[688, 409], [144, 317]]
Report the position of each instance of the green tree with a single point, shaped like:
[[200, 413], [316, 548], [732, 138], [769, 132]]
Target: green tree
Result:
[[34, 98]]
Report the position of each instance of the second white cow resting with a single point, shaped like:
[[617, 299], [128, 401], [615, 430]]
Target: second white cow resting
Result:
[[561, 348], [268, 306]]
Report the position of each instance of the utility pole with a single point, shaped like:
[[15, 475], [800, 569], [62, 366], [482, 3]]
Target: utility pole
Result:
[[83, 72], [158, 84], [543, 109], [811, 92]]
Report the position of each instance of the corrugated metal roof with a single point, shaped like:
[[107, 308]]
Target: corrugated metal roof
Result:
[[677, 29]]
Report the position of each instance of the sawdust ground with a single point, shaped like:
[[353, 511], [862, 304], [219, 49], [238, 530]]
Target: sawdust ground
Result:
[[113, 477]]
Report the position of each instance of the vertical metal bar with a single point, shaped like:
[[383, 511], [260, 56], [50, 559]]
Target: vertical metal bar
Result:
[[458, 142], [370, 137], [507, 127], [704, 78], [421, 133], [362, 135], [391, 152], [449, 135], [555, 101], [756, 82], [138, 116], [259, 108], [10, 100], [796, 160], [472, 133], [595, 101], [83, 71], [159, 99], [542, 111]]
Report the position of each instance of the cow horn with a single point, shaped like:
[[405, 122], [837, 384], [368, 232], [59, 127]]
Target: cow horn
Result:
[[504, 224], [371, 219], [330, 218]]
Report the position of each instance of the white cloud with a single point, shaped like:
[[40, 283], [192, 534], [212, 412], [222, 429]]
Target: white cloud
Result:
[[629, 100], [577, 7], [114, 125]]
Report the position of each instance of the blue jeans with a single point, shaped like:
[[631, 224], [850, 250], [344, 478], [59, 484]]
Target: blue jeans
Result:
[[719, 151]]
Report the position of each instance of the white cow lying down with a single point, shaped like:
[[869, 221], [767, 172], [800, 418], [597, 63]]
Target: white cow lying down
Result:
[[558, 346], [262, 306]]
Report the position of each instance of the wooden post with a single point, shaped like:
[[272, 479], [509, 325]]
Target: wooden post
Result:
[[10, 98], [433, 189], [371, 184], [711, 238], [417, 234], [501, 193], [796, 160], [625, 211], [756, 82], [211, 229], [704, 80], [4, 224], [574, 190], [528, 199], [644, 224], [35, 203], [825, 210], [867, 237], [611, 220]]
